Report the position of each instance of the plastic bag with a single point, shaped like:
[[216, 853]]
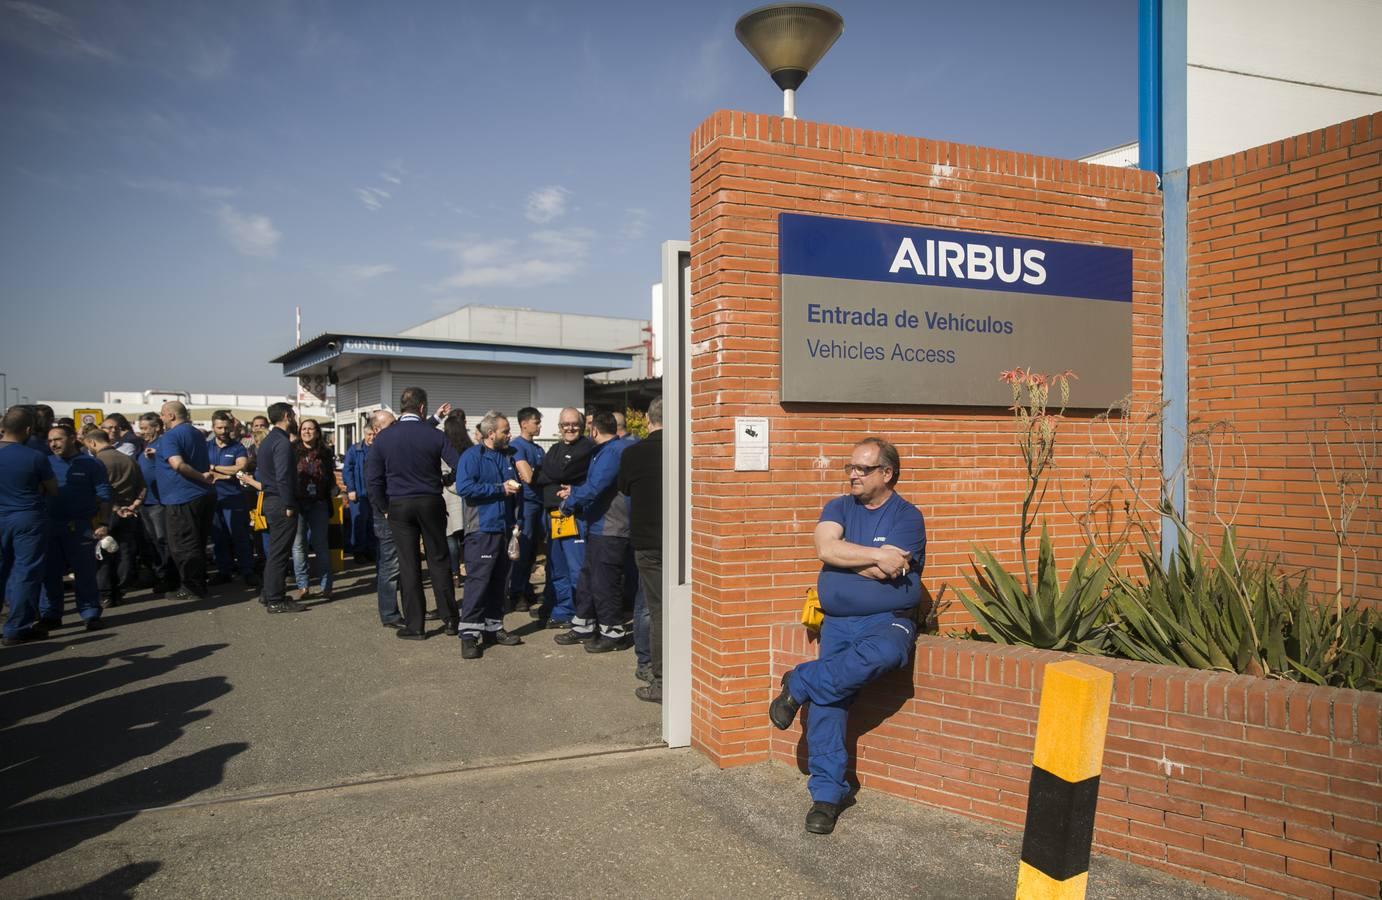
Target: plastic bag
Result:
[[514, 548]]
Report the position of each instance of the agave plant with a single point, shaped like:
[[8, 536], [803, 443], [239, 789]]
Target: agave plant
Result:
[[1236, 615], [1049, 617]]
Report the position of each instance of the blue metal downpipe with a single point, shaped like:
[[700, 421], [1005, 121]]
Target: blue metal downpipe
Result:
[[1149, 85]]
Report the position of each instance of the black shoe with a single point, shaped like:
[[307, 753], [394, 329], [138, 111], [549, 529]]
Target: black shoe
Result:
[[783, 711], [821, 818], [567, 638], [644, 673], [34, 633], [535, 611], [652, 693], [471, 648], [252, 581], [557, 623], [408, 634], [396, 623], [603, 644], [219, 578], [182, 594], [451, 626], [287, 606], [49, 624], [502, 638], [110, 600], [94, 624], [433, 615]]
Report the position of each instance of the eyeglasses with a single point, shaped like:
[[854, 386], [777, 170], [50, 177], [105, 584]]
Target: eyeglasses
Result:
[[570, 426], [861, 471]]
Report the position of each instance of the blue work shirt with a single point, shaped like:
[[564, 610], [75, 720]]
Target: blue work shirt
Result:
[[353, 469], [229, 494], [148, 467], [23, 470], [40, 444], [480, 481], [843, 592], [597, 501], [184, 441], [82, 487], [533, 455]]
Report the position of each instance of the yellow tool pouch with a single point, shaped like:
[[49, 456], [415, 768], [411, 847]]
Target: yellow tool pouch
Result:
[[811, 613], [563, 526], [257, 520]]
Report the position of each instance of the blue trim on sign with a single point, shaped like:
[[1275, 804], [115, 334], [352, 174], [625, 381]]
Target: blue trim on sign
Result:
[[1149, 85], [867, 251], [1175, 327]]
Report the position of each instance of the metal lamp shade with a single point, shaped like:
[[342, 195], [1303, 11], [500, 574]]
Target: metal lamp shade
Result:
[[788, 39]]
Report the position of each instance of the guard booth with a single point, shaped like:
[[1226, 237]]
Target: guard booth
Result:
[[369, 372]]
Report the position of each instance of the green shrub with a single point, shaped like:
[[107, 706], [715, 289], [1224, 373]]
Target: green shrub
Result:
[[1049, 617]]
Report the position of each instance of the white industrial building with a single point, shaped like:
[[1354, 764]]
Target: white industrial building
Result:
[[476, 358], [1258, 71]]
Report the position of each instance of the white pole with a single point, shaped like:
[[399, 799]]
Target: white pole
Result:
[[789, 104]]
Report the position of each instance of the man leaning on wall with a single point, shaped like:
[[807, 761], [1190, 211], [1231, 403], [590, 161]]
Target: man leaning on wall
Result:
[[872, 546]]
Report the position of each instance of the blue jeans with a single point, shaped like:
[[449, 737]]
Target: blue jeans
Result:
[[314, 517], [530, 535], [854, 650], [565, 557], [360, 532], [231, 538], [23, 552], [387, 565], [70, 547]]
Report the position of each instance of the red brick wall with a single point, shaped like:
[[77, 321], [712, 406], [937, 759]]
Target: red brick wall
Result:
[[1250, 785], [752, 553], [1285, 310]]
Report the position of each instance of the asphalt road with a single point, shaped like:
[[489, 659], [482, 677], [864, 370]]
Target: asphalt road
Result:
[[211, 750]]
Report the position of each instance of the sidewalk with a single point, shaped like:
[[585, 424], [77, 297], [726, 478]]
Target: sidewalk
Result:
[[317, 756]]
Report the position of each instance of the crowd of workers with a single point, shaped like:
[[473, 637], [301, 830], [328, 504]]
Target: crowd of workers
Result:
[[118, 507]]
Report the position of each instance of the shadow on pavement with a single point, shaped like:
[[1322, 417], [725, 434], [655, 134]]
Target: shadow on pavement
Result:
[[85, 741], [114, 885]]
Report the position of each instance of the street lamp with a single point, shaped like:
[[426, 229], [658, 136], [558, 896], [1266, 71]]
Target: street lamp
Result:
[[788, 39]]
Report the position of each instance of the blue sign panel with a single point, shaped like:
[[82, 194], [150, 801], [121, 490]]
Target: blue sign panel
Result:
[[882, 313], [904, 254]]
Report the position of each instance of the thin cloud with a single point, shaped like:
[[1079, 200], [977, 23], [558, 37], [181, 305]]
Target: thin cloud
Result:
[[546, 204], [546, 257], [706, 80], [373, 198], [366, 273], [211, 62], [51, 32], [250, 234], [635, 224], [179, 188]]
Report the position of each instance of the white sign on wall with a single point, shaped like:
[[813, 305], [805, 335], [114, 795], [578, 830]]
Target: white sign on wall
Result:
[[750, 444]]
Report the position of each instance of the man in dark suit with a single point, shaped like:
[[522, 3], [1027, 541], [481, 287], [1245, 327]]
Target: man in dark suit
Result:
[[276, 469], [406, 480]]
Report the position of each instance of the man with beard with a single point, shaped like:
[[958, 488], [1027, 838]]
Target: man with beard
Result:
[[565, 464], [83, 494], [230, 527], [486, 480]]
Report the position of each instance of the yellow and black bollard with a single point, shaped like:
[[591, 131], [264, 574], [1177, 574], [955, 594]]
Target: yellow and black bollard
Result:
[[1071, 727], [335, 534]]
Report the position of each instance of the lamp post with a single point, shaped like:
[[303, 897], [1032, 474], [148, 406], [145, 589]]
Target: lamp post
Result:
[[4, 387], [788, 39]]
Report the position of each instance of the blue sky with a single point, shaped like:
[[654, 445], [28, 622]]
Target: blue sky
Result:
[[177, 176]]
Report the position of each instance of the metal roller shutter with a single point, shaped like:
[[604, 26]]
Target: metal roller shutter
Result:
[[476, 394]]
